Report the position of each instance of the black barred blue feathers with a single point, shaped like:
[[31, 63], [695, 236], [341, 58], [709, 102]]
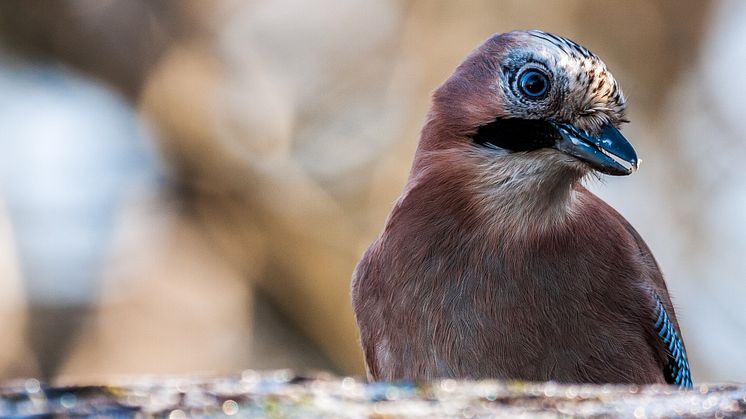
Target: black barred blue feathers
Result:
[[677, 370]]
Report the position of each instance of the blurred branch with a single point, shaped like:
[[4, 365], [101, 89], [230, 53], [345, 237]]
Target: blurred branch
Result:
[[116, 41]]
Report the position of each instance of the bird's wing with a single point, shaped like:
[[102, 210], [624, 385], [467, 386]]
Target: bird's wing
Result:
[[676, 369], [667, 338]]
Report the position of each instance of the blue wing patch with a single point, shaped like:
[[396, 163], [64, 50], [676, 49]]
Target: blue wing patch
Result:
[[677, 370]]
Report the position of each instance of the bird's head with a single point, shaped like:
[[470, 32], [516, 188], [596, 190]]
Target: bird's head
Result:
[[534, 96]]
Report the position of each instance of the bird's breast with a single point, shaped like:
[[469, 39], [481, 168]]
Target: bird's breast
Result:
[[460, 300]]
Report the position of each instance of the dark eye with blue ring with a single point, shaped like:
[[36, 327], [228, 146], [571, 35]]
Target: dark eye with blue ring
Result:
[[533, 84]]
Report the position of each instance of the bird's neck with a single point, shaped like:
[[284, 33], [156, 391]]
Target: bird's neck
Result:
[[522, 194]]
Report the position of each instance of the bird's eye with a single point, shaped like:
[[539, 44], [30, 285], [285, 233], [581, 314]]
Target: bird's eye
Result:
[[533, 84]]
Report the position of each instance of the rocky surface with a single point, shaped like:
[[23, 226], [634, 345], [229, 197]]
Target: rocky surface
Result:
[[282, 394]]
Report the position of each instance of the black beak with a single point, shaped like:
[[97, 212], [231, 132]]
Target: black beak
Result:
[[598, 151]]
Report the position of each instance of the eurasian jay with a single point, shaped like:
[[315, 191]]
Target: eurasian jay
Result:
[[496, 262]]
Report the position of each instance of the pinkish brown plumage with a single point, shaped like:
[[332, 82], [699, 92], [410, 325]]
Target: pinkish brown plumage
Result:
[[496, 262]]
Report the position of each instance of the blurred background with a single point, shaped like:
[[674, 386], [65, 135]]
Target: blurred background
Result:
[[186, 186]]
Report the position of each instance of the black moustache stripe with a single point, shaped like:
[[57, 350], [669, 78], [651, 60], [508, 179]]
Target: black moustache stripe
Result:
[[517, 134]]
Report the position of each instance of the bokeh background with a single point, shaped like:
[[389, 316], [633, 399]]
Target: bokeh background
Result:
[[186, 185]]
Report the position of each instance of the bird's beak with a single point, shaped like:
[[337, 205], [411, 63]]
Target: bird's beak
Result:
[[598, 151]]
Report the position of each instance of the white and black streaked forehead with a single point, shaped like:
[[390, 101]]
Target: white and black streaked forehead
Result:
[[593, 95]]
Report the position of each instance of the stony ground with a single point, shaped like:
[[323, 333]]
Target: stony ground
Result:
[[281, 394]]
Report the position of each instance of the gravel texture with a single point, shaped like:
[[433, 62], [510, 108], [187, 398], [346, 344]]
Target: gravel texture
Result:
[[282, 393]]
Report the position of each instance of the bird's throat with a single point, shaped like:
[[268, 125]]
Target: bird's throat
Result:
[[519, 192], [526, 198]]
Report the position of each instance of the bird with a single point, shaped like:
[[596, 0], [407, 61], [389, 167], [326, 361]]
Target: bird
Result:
[[496, 262]]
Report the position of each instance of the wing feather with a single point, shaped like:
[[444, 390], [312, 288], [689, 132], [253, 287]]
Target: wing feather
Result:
[[667, 336]]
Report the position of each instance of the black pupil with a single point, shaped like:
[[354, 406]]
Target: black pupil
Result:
[[534, 83]]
